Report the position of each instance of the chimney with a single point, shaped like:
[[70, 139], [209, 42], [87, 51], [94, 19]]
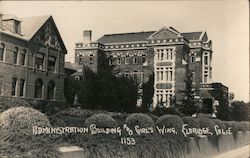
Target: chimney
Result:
[[87, 35]]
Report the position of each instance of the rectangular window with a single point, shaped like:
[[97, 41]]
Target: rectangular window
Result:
[[51, 63], [161, 76], [15, 57], [135, 60], [39, 61], [22, 58], [205, 78], [91, 59], [1, 51], [171, 75], [111, 61], [157, 75], [1, 84], [16, 26], [127, 74], [192, 58], [22, 88], [119, 61], [13, 87], [143, 59], [80, 60], [135, 75], [126, 60], [206, 60]]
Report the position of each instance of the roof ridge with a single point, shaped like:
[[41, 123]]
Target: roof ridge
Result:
[[127, 33], [192, 32], [47, 15]]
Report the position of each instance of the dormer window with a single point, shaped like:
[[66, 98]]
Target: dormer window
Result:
[[11, 23], [16, 27]]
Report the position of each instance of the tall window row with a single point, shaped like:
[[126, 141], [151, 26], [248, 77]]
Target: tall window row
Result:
[[164, 97], [127, 60], [38, 89], [136, 75], [206, 75], [18, 56], [165, 54], [164, 74], [14, 89]]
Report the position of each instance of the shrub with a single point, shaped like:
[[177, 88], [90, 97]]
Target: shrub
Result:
[[206, 122], [191, 122], [243, 126], [170, 121], [101, 120], [220, 123], [78, 112], [16, 136], [7, 103], [139, 119]]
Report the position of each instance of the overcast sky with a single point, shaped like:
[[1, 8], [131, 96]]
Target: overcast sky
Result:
[[225, 21]]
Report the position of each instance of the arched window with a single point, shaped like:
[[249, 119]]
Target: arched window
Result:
[[15, 53], [2, 47], [38, 88], [22, 57], [51, 90]]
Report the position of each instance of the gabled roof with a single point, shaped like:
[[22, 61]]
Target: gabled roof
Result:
[[165, 32], [125, 37], [192, 35], [31, 25]]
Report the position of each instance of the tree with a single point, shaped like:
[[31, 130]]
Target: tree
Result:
[[240, 110], [107, 90], [71, 88], [148, 92], [188, 103]]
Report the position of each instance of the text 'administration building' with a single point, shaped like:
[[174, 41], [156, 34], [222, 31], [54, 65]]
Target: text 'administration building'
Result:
[[167, 53], [31, 58]]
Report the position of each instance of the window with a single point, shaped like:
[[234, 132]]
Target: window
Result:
[[143, 59], [15, 53], [111, 61], [16, 26], [135, 60], [38, 88], [39, 61], [51, 63], [51, 90], [205, 78], [135, 75], [80, 60], [2, 47], [91, 59], [206, 60], [13, 87], [22, 57], [119, 61], [126, 60], [192, 58], [22, 88], [1, 84], [127, 74]]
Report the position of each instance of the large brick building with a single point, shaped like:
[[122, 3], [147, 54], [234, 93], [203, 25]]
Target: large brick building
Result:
[[31, 58], [167, 53]]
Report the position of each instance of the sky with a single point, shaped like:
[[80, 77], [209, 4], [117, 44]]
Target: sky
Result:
[[225, 21]]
